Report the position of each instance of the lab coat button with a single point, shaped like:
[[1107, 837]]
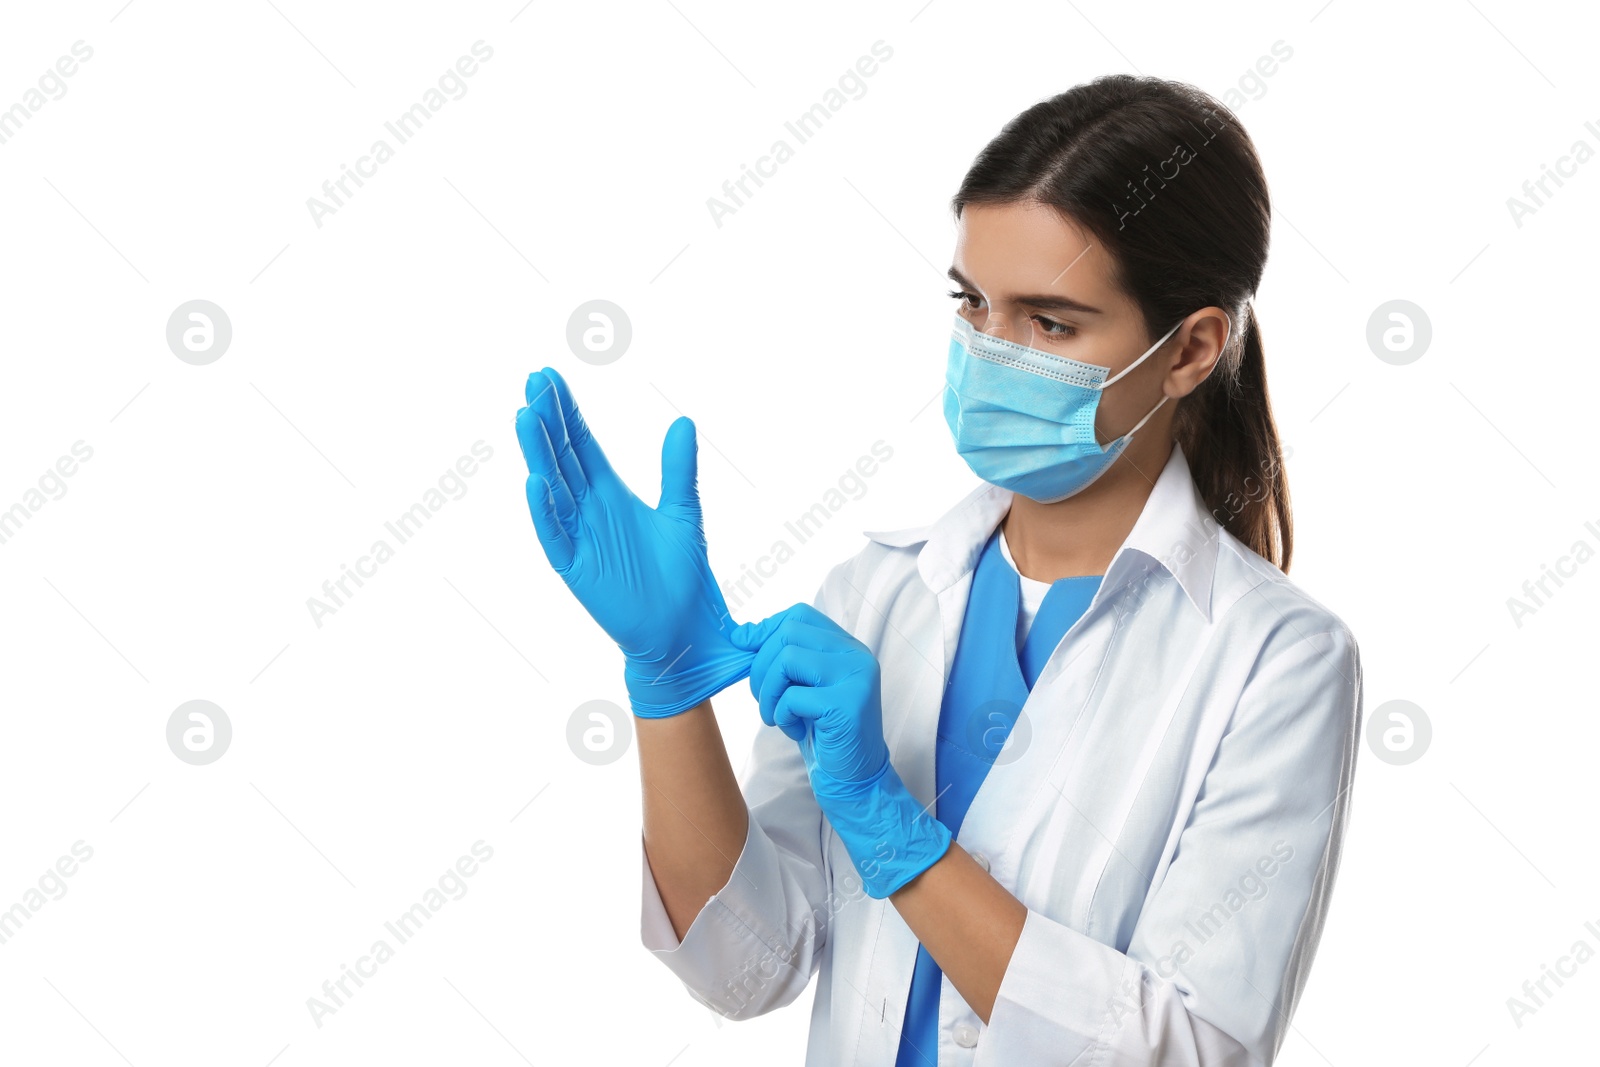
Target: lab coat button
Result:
[[966, 1036], [982, 861]]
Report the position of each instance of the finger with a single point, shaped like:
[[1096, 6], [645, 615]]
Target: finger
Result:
[[679, 466], [793, 666], [533, 443], [596, 468], [544, 400], [752, 635], [785, 629], [558, 547], [810, 615], [566, 505], [794, 630], [823, 638], [798, 707], [757, 637], [749, 637], [540, 456]]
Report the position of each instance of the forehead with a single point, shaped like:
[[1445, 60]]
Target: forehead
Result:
[[1027, 247]]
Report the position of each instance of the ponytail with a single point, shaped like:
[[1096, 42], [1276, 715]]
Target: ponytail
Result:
[[1228, 436]]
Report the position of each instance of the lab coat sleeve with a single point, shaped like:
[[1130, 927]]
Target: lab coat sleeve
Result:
[[755, 945], [1220, 953]]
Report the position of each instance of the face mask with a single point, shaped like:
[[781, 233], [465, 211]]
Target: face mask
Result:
[[1023, 419]]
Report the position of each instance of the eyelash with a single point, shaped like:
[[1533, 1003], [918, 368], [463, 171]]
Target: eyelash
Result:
[[1065, 331]]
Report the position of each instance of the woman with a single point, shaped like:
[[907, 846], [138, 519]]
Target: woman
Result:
[[1062, 776]]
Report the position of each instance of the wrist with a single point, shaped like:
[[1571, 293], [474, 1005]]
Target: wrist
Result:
[[890, 837], [654, 693]]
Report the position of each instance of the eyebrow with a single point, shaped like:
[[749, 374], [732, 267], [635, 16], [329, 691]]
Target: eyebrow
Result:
[[1043, 300]]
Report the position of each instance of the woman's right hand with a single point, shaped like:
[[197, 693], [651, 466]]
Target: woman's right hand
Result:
[[642, 573]]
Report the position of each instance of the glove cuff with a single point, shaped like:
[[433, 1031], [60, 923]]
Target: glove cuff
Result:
[[889, 836], [658, 698]]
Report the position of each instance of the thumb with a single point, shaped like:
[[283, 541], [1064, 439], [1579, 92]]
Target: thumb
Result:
[[679, 466], [751, 635]]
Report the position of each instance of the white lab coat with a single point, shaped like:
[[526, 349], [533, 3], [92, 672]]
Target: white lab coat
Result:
[[1170, 811]]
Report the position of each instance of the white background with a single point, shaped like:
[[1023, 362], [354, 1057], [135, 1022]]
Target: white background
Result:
[[369, 353]]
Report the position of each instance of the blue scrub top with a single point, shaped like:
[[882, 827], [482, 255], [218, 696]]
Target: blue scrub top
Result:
[[980, 705]]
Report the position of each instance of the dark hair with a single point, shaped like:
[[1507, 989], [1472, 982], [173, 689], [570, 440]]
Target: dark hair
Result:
[[1167, 180]]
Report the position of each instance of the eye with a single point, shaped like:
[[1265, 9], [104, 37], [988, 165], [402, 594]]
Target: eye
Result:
[[1047, 327], [1062, 329]]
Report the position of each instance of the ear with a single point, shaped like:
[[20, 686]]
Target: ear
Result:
[[1202, 339]]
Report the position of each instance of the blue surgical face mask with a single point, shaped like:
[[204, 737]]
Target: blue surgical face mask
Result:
[[1023, 419]]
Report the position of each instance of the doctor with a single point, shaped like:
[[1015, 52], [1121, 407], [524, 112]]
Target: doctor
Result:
[[1062, 776]]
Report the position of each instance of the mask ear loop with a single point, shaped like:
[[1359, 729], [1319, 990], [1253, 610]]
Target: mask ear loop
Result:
[[1226, 338], [1142, 358], [1136, 362], [1146, 418]]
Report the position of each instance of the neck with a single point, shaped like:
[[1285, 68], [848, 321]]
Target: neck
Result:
[[1081, 534]]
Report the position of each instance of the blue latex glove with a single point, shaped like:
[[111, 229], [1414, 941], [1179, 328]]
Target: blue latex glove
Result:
[[814, 681], [641, 572]]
